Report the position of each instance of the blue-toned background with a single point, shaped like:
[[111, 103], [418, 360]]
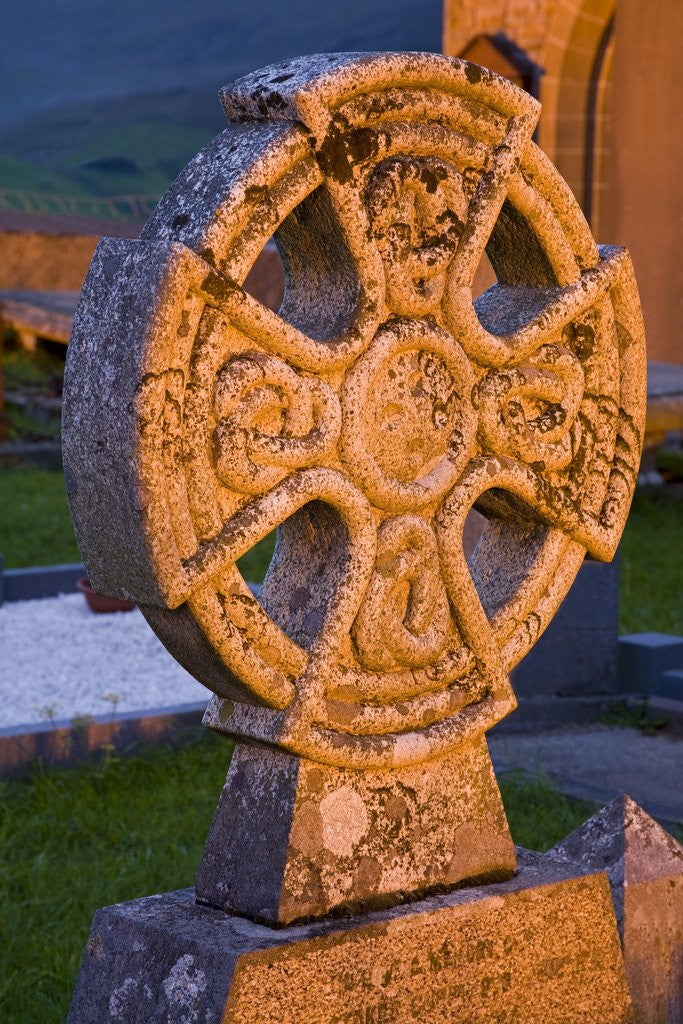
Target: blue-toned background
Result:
[[113, 98]]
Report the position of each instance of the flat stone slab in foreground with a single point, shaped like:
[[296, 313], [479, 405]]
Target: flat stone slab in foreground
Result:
[[541, 948]]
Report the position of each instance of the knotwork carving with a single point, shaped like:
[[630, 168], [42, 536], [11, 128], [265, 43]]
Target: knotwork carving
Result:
[[271, 420], [409, 424], [367, 417], [404, 618], [530, 410]]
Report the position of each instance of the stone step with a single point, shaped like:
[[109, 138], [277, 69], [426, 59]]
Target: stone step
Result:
[[644, 657]]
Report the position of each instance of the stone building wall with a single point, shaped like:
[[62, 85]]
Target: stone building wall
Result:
[[621, 158], [570, 39], [51, 252], [525, 21], [643, 206]]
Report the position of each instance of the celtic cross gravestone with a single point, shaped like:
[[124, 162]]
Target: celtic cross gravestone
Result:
[[364, 420]]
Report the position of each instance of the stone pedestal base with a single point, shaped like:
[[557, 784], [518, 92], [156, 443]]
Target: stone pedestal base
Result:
[[541, 948], [293, 839]]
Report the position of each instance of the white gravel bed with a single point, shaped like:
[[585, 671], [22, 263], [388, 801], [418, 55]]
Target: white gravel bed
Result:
[[59, 660]]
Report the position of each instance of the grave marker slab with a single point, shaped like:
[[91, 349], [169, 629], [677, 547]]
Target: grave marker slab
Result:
[[528, 949]]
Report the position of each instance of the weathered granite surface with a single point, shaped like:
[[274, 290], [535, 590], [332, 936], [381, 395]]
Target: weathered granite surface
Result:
[[542, 948], [295, 839], [366, 417], [644, 865]]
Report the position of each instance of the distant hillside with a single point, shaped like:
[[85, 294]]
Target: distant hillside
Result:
[[112, 98]]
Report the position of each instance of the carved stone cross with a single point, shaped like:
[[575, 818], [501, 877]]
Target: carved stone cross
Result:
[[364, 421]]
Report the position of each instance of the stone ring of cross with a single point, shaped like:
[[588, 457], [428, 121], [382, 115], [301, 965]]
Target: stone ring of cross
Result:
[[367, 417]]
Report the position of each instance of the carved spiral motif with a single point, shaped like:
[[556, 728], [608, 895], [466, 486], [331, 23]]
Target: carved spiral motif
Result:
[[529, 411], [271, 420], [366, 418]]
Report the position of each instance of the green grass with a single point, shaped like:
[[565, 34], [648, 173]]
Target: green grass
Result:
[[253, 565], [22, 426], [156, 150], [623, 715], [35, 526], [651, 573], [538, 813], [40, 371], [27, 176], [669, 462], [72, 840], [30, 375]]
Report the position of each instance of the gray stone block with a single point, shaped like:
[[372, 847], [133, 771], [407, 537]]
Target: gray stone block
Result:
[[644, 657], [577, 654], [39, 581], [644, 865], [293, 839], [670, 685], [538, 714], [593, 600], [474, 954], [578, 662]]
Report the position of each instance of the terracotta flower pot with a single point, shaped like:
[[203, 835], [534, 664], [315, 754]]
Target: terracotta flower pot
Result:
[[100, 603]]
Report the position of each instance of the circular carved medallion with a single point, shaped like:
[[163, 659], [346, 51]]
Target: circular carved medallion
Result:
[[408, 423]]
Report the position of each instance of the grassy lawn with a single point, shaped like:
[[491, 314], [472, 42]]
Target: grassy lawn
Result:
[[72, 840], [651, 573], [148, 154], [35, 529], [30, 376]]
